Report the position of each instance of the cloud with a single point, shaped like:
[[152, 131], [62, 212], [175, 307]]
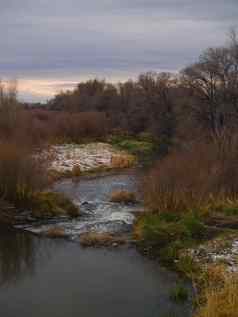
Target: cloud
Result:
[[67, 40]]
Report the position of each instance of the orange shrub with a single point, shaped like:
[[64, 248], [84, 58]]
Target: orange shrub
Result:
[[188, 179], [123, 196]]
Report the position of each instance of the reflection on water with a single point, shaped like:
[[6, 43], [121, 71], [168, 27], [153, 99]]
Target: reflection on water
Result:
[[18, 254], [58, 278]]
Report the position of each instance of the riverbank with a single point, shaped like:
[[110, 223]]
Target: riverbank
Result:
[[112, 215], [73, 160], [55, 163], [199, 251]]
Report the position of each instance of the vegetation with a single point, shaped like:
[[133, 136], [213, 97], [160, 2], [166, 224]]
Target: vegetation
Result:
[[220, 294], [165, 235], [123, 161], [123, 197], [50, 204], [21, 174], [143, 146], [93, 239], [179, 294], [191, 117], [56, 232]]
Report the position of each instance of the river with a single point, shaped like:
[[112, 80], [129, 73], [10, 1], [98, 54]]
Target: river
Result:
[[44, 277]]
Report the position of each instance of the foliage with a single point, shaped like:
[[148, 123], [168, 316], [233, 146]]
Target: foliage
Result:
[[93, 239], [21, 173], [143, 145], [50, 204], [55, 232], [220, 295], [176, 186], [158, 231], [123, 197], [164, 237], [123, 160], [179, 294]]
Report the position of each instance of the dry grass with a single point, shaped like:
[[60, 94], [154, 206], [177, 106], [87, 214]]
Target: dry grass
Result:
[[56, 232], [221, 295], [51, 204], [76, 171], [123, 196], [93, 239], [21, 173], [192, 179], [123, 161]]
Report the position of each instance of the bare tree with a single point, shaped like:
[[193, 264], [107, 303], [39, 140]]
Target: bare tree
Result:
[[213, 82]]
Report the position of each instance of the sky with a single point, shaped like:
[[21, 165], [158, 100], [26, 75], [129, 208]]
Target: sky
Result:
[[50, 45]]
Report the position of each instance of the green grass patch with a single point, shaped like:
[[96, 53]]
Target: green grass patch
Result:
[[179, 294], [166, 235], [50, 204], [141, 145]]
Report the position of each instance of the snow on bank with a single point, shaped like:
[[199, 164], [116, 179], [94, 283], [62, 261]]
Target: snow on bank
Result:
[[223, 250], [86, 156]]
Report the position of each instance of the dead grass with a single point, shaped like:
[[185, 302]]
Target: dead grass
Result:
[[123, 196], [76, 171], [93, 239], [51, 204], [123, 161], [21, 173], [56, 232], [192, 179], [221, 294]]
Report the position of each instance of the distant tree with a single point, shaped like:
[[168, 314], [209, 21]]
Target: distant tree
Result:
[[9, 108], [213, 83]]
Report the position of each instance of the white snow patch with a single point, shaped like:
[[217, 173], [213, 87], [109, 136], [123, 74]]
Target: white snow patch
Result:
[[86, 157]]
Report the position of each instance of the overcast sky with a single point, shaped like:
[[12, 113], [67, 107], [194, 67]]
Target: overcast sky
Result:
[[49, 45]]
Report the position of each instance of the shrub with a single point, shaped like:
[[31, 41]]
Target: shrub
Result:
[[76, 171], [93, 239], [123, 197], [179, 294], [221, 299], [123, 161], [50, 204], [78, 126], [21, 173], [155, 231], [143, 145], [194, 226], [191, 179], [187, 266], [165, 237], [56, 232]]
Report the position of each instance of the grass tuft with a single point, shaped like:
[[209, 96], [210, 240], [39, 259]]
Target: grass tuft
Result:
[[94, 239], [123, 161], [56, 232], [50, 204], [179, 294], [123, 196], [220, 296]]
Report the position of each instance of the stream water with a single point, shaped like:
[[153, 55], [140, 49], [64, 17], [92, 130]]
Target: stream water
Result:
[[43, 277], [98, 214]]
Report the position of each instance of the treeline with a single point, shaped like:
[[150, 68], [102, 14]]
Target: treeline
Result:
[[203, 97], [199, 103]]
